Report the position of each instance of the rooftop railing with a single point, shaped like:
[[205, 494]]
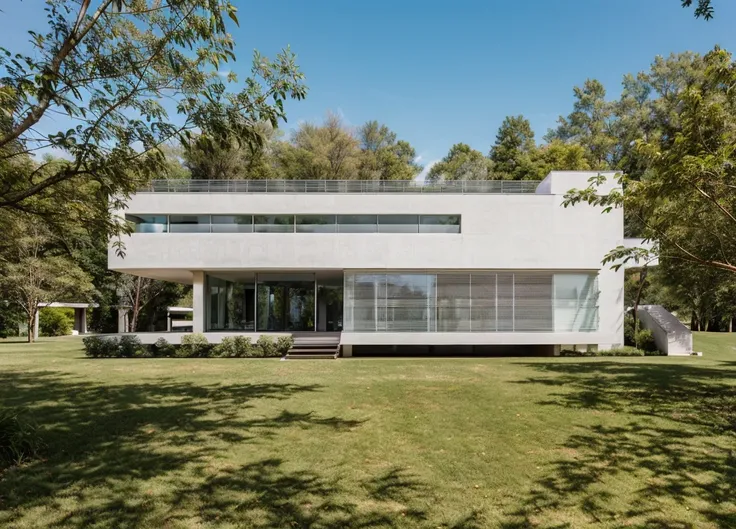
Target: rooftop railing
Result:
[[340, 186]]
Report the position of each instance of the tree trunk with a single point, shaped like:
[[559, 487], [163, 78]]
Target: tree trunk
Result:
[[136, 305], [31, 327], [642, 278]]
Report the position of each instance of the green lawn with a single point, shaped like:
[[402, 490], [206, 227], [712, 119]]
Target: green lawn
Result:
[[462, 443]]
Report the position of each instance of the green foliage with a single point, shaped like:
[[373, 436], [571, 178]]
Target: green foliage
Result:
[[101, 347], [512, 153], [162, 349], [194, 345], [267, 346], [645, 340], [234, 347], [617, 351], [462, 163], [129, 346], [108, 67], [629, 330], [20, 440], [703, 8], [55, 321], [283, 344]]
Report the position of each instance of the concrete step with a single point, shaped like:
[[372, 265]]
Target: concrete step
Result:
[[332, 356], [310, 350]]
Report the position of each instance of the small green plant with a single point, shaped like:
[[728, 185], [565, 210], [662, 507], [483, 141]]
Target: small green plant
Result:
[[194, 345], [19, 438], [629, 330], [626, 350], [99, 347], [162, 349], [267, 346], [129, 346], [645, 340], [55, 322], [233, 347], [283, 344]]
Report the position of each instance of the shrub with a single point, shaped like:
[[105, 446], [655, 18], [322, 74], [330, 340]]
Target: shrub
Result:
[[194, 345], [645, 340], [162, 349], [629, 330], [233, 347], [283, 344], [55, 322], [19, 438], [129, 346], [267, 346], [626, 350], [99, 347]]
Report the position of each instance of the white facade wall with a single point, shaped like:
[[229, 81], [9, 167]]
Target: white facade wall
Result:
[[498, 231]]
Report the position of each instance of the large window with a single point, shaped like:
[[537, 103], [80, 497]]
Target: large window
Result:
[[232, 223], [471, 302], [245, 223], [149, 223], [189, 223]]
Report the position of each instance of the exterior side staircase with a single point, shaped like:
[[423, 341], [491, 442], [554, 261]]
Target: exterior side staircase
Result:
[[315, 346], [671, 336]]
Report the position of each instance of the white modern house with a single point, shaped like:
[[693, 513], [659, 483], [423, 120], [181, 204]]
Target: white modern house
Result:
[[385, 265]]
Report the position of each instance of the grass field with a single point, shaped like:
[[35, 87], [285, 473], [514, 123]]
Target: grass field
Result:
[[462, 443]]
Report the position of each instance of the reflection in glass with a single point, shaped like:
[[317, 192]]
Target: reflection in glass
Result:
[[398, 223], [231, 305], [189, 223], [274, 223], [149, 223], [232, 223], [286, 306], [357, 223], [439, 224], [316, 224]]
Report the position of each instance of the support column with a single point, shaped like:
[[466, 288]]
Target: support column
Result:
[[122, 319], [198, 301], [35, 325], [77, 320], [347, 351], [83, 321]]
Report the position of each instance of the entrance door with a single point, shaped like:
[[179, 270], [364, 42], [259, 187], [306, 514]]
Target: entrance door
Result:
[[285, 306]]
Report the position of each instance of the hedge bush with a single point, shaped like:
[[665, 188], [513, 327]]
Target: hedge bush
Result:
[[192, 346], [55, 321], [99, 347], [645, 340], [617, 351], [19, 438], [234, 347]]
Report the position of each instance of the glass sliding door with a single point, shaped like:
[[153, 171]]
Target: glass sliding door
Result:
[[285, 306], [231, 305]]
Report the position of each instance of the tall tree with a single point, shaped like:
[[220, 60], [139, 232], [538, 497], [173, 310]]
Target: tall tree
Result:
[[105, 66], [461, 163], [686, 204], [589, 124], [513, 151], [383, 156], [32, 270]]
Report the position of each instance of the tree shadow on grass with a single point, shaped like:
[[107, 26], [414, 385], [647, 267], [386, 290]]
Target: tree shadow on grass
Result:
[[160, 455], [677, 440]]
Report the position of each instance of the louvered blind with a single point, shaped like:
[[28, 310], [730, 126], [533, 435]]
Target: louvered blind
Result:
[[471, 302]]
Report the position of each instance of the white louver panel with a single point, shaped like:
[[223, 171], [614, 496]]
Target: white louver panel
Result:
[[471, 302]]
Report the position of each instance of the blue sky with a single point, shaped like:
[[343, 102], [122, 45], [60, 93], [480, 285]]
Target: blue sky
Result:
[[439, 73]]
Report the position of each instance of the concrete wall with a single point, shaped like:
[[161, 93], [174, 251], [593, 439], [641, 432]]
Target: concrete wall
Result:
[[671, 336], [518, 232]]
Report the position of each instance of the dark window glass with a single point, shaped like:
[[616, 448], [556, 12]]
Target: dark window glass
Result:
[[189, 223], [149, 223], [439, 224], [274, 223], [357, 223], [232, 223], [398, 223], [316, 224]]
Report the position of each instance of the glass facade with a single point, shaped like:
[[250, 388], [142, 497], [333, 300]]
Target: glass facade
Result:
[[295, 223], [471, 302], [149, 223], [231, 305]]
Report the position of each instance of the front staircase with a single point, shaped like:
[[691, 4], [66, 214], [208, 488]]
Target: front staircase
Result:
[[315, 346]]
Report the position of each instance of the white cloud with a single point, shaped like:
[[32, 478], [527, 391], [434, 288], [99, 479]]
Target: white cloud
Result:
[[223, 73], [421, 176]]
